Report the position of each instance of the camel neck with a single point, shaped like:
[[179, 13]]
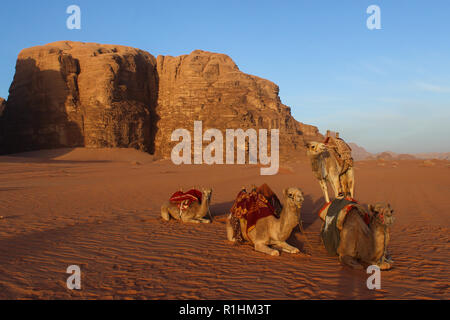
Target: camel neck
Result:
[[379, 232], [204, 203], [288, 219]]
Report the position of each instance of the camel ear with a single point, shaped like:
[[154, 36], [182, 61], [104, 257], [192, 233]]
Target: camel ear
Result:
[[371, 208], [285, 192]]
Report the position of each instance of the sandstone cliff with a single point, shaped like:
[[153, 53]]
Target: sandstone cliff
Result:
[[210, 87], [67, 94]]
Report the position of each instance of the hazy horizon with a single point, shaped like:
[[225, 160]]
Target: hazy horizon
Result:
[[385, 89]]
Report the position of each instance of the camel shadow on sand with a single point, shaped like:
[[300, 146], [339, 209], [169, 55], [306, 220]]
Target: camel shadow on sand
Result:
[[221, 210], [308, 216]]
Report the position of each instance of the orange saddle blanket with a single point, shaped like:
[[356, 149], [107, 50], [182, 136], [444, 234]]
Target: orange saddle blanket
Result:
[[251, 207]]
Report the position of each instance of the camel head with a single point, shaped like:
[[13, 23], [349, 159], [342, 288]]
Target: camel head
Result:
[[382, 213], [294, 195], [207, 194], [314, 148]]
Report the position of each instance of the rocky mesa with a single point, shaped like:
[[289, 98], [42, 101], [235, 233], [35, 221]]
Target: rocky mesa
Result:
[[68, 94]]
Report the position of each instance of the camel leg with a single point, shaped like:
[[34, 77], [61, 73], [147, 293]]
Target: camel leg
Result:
[[350, 261], [202, 220], [190, 220], [286, 247], [350, 178], [385, 266], [335, 185], [165, 213], [262, 247], [230, 234], [323, 185]]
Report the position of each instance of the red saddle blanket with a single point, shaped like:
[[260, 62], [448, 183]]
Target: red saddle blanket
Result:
[[186, 198], [251, 207]]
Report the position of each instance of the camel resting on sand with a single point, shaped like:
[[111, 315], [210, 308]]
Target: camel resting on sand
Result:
[[326, 168], [195, 213], [367, 244], [270, 233]]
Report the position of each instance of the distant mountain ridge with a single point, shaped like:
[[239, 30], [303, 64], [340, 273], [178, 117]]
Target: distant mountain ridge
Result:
[[359, 153]]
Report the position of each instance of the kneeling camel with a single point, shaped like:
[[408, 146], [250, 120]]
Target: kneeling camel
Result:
[[195, 213], [270, 233]]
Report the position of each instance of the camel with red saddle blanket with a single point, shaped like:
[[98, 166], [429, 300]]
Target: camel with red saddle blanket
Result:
[[191, 206], [355, 235], [253, 218]]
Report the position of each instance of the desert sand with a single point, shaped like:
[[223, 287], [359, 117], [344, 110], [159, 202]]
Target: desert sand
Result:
[[99, 209]]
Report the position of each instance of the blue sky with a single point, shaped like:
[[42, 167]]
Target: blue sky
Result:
[[385, 89]]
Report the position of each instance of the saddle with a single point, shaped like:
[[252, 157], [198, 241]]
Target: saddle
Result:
[[341, 207], [341, 151], [184, 199], [265, 190], [334, 214], [247, 209]]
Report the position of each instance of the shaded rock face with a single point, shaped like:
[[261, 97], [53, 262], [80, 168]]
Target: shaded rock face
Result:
[[2, 105], [69, 94], [209, 87]]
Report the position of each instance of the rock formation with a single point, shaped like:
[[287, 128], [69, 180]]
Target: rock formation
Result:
[[210, 87], [68, 94], [2, 105], [433, 155], [359, 153]]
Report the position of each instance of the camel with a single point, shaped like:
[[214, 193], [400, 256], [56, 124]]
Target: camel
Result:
[[367, 244], [327, 169], [195, 213], [271, 231]]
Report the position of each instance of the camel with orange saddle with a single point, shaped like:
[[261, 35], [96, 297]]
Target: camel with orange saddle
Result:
[[253, 219]]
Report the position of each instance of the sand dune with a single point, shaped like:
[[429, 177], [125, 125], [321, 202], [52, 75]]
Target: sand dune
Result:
[[99, 209]]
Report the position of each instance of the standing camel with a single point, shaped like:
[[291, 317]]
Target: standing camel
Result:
[[270, 233], [195, 213], [326, 168]]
